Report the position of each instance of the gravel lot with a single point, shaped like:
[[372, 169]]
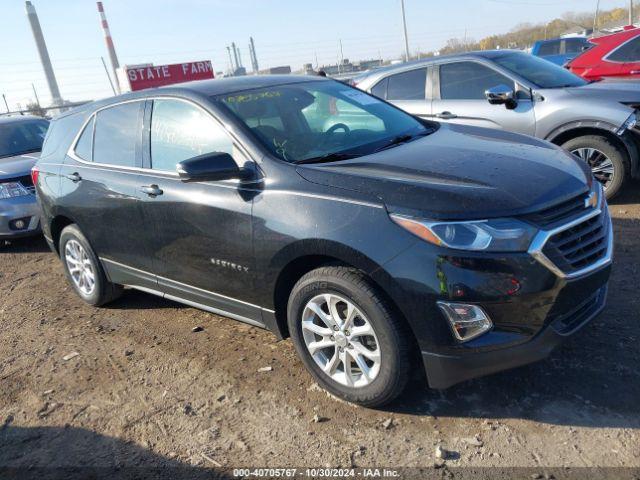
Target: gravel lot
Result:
[[142, 390]]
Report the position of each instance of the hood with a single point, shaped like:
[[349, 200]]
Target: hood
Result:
[[461, 172], [18, 165], [614, 90]]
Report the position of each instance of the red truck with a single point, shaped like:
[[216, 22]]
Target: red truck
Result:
[[612, 56]]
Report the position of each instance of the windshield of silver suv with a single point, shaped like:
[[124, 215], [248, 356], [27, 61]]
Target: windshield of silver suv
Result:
[[538, 71], [22, 137], [321, 121]]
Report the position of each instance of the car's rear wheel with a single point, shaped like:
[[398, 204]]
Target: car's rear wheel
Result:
[[83, 270], [608, 161], [347, 336]]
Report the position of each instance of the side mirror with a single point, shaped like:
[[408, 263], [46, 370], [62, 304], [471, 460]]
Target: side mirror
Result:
[[501, 95], [208, 167]]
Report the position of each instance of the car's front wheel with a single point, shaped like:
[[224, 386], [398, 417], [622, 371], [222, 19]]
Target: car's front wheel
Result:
[[83, 270], [607, 160], [347, 336]]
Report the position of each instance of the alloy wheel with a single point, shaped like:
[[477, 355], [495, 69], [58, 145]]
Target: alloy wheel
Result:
[[341, 340], [80, 267], [600, 164]]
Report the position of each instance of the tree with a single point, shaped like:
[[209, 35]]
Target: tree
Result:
[[35, 109]]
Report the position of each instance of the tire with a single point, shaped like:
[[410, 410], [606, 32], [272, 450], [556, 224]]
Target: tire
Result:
[[387, 378], [602, 145], [74, 244]]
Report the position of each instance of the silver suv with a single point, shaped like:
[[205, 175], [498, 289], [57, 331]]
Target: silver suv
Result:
[[515, 91], [20, 144]]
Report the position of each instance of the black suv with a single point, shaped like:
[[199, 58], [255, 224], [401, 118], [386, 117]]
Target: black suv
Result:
[[319, 212]]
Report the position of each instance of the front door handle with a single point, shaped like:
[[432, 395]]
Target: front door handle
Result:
[[446, 115], [74, 177], [151, 190]]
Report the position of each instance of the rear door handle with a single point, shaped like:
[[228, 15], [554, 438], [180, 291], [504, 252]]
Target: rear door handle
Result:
[[151, 190], [446, 115], [74, 177]]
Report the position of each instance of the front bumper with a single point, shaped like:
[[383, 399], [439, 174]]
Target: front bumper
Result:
[[443, 370], [12, 209], [532, 304]]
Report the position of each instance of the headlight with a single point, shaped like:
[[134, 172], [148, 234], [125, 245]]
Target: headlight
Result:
[[497, 235], [629, 123], [12, 189]]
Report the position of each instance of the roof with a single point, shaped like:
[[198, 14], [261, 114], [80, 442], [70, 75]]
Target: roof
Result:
[[220, 86], [430, 60], [19, 118], [215, 86]]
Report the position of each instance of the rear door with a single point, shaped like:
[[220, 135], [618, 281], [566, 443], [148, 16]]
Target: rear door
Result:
[[99, 191], [200, 235], [460, 98], [408, 90]]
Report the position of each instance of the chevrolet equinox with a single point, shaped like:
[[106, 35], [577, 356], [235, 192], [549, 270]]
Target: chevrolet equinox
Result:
[[316, 211]]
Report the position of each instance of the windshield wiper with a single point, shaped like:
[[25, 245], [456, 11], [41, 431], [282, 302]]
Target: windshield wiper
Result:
[[401, 139], [15, 154], [330, 157]]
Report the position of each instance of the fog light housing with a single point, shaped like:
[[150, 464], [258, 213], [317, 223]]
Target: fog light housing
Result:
[[466, 321], [19, 223]]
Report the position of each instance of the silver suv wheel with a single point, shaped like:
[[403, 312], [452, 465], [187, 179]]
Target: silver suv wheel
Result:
[[80, 267], [600, 164], [341, 340]]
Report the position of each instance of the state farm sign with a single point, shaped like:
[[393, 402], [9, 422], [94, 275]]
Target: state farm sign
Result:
[[148, 76]]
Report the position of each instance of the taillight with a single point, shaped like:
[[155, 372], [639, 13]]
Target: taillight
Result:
[[35, 173]]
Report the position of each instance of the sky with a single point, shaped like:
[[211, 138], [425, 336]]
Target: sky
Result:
[[286, 32]]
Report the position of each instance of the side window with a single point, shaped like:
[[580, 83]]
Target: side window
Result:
[[628, 52], [84, 147], [549, 48], [180, 131], [117, 130], [408, 85], [327, 111], [468, 81], [380, 89], [575, 45]]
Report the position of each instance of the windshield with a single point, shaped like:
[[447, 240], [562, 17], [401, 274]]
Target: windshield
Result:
[[322, 120], [538, 71], [22, 137]]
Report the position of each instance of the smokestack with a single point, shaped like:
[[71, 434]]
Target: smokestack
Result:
[[110, 48], [254, 57], [231, 66], [43, 53], [235, 54]]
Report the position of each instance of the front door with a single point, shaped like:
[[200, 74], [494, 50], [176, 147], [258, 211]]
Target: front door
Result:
[[461, 99], [99, 181], [200, 233]]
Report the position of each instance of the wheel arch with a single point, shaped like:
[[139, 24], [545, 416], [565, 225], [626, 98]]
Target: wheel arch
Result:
[[305, 257], [57, 224], [626, 141]]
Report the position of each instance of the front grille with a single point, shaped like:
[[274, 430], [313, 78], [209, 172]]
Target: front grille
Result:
[[569, 322], [560, 213], [580, 246], [24, 180]]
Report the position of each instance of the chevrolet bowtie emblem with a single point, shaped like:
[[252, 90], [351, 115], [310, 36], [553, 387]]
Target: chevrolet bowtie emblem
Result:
[[591, 201]]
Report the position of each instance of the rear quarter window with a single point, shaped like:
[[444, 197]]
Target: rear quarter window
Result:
[[61, 133]]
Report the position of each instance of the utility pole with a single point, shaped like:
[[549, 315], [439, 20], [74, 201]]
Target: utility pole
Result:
[[404, 26], [595, 17], [630, 12], [341, 53], [106, 70], [35, 94]]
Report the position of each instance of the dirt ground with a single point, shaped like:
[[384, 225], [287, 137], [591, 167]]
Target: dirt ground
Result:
[[145, 391]]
